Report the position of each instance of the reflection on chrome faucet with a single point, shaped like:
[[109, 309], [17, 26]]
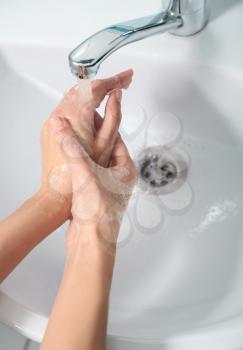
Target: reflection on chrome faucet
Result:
[[182, 17]]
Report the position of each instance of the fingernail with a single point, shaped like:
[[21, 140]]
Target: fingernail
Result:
[[118, 94], [57, 123]]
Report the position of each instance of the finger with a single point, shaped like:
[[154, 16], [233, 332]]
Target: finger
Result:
[[107, 134], [75, 107], [101, 87], [68, 104], [67, 138], [120, 155], [98, 121], [122, 165]]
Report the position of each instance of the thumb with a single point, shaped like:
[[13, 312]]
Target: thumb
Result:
[[79, 162]]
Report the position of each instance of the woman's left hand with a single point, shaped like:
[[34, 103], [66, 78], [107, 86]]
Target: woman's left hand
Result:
[[79, 107]]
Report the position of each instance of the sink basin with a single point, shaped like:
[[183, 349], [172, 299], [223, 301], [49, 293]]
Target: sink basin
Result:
[[178, 276]]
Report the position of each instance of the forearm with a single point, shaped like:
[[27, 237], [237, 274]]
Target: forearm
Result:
[[79, 316], [26, 227]]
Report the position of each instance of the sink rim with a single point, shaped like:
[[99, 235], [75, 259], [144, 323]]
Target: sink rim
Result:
[[22, 320]]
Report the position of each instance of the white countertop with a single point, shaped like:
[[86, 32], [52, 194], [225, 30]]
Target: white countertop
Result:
[[66, 23]]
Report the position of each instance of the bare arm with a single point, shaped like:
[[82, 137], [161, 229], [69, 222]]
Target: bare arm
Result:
[[79, 316], [26, 227]]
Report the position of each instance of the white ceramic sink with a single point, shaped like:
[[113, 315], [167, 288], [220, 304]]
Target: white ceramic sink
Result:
[[178, 275]]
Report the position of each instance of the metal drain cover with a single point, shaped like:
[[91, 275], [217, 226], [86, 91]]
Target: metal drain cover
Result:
[[161, 170]]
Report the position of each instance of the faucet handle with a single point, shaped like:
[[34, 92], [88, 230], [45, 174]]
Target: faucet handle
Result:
[[194, 13]]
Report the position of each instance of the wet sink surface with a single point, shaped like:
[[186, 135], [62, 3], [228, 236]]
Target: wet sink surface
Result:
[[179, 261]]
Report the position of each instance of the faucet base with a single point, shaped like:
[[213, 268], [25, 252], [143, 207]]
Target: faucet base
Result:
[[193, 13], [192, 23]]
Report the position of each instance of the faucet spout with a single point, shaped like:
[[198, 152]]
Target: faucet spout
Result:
[[182, 17], [85, 59]]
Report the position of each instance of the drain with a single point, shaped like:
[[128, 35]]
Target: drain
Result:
[[161, 170], [156, 174]]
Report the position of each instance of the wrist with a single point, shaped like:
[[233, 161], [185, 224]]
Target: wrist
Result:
[[87, 242], [88, 256], [53, 205]]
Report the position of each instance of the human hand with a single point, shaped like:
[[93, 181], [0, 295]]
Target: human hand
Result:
[[100, 194], [101, 190], [79, 107]]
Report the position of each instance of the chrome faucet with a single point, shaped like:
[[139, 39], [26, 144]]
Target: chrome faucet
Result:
[[181, 17]]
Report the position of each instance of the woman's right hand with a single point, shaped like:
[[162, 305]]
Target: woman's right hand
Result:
[[100, 192]]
